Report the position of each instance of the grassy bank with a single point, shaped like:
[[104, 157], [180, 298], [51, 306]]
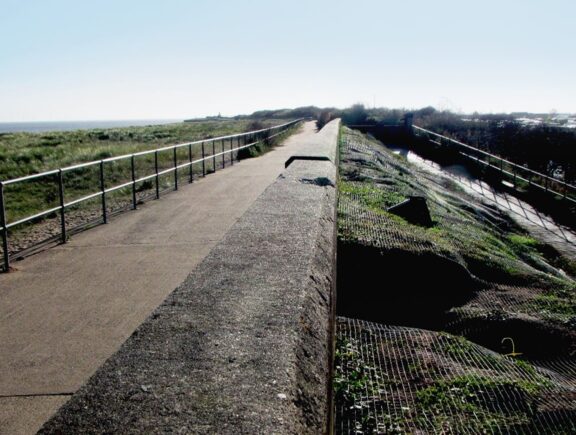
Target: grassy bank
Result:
[[464, 325], [23, 154], [27, 153]]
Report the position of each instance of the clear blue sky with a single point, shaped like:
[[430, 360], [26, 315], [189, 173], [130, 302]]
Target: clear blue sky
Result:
[[128, 59]]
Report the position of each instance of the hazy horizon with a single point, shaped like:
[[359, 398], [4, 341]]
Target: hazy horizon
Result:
[[183, 119], [71, 61]]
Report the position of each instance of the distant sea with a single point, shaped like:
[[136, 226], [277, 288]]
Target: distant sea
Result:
[[39, 127]]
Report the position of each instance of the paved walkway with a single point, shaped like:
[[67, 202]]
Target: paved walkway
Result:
[[66, 310]]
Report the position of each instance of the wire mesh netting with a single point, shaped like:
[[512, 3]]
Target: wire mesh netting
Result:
[[518, 298], [393, 379]]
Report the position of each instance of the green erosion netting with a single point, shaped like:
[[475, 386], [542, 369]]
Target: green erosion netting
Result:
[[474, 273]]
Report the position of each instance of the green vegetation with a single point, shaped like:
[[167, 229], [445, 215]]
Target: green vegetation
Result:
[[474, 402], [261, 147], [29, 153], [532, 251], [356, 382], [454, 345], [500, 134], [526, 367], [551, 304], [522, 242], [372, 197], [405, 380], [444, 382], [544, 148], [281, 114], [26, 153], [483, 240]]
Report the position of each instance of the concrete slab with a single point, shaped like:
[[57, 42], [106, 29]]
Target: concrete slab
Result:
[[66, 310], [243, 345], [24, 415]]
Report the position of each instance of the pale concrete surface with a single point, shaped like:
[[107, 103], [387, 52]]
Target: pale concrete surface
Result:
[[243, 345], [66, 310], [21, 415]]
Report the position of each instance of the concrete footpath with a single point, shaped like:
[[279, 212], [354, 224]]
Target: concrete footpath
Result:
[[244, 344], [66, 310]]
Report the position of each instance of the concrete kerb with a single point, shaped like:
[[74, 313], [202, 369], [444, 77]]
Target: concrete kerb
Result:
[[244, 345]]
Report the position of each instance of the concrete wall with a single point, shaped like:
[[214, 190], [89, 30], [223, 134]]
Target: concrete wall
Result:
[[244, 344]]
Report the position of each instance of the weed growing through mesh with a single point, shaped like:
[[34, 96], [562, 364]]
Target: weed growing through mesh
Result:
[[476, 403]]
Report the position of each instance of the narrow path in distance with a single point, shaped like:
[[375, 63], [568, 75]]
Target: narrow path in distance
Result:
[[64, 311]]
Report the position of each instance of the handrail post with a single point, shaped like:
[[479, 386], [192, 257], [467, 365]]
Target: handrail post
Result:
[[175, 169], [190, 161], [3, 223], [157, 176], [241, 138], [203, 161], [62, 210], [103, 189], [231, 152], [133, 170]]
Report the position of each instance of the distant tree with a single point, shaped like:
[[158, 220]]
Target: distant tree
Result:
[[324, 117], [425, 111], [355, 115], [543, 148]]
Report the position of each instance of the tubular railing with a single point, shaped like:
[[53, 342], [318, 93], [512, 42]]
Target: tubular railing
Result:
[[518, 174], [208, 152]]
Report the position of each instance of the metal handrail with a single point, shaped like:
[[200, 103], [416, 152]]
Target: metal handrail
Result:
[[255, 137], [516, 168], [141, 153]]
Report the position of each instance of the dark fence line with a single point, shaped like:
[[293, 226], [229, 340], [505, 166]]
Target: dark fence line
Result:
[[206, 148], [516, 173]]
